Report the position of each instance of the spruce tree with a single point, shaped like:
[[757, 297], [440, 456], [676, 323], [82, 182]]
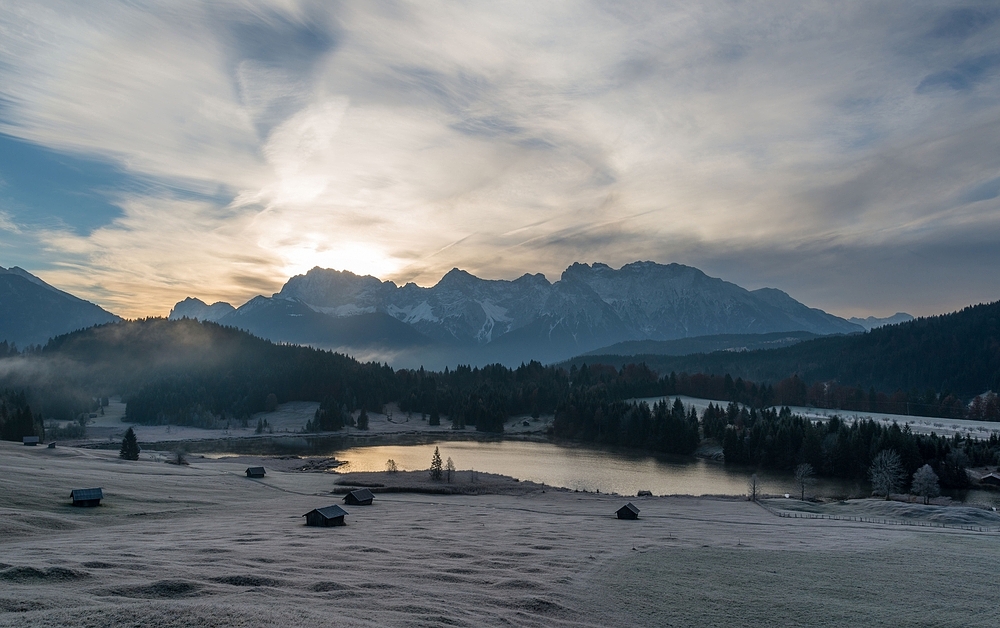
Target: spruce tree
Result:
[[436, 465], [435, 417], [130, 446], [363, 419]]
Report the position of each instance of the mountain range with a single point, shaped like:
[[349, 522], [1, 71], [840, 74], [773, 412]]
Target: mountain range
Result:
[[466, 319], [873, 322], [32, 311]]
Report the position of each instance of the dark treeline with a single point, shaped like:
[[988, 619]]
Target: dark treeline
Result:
[[188, 372], [664, 428], [480, 397], [770, 439], [485, 396], [793, 391], [16, 418]]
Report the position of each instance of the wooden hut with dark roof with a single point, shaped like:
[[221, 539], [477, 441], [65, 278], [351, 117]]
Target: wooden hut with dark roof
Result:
[[326, 517], [30, 441], [359, 497], [86, 496], [992, 479], [628, 511], [255, 472]]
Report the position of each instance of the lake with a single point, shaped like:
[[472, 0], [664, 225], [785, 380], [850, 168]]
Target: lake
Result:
[[576, 467], [582, 468]]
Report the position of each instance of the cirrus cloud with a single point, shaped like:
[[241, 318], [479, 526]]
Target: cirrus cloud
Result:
[[773, 144]]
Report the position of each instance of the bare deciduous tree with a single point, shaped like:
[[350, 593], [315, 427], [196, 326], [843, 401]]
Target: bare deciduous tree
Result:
[[753, 487], [391, 466], [804, 477], [449, 468], [886, 473], [925, 483]]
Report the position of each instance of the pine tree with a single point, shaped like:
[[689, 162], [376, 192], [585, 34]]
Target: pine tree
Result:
[[363, 419], [130, 446], [436, 465], [435, 417]]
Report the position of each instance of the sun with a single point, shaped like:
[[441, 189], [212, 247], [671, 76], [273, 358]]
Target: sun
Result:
[[360, 258]]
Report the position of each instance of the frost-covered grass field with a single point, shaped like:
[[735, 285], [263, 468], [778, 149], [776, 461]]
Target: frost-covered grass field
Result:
[[203, 545]]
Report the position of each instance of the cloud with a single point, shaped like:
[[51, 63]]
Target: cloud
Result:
[[403, 139], [7, 223]]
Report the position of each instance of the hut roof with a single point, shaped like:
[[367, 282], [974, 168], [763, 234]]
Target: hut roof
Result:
[[361, 495], [255, 470], [629, 506], [329, 512], [84, 494], [29, 440]]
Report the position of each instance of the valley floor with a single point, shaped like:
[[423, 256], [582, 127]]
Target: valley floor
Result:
[[203, 545]]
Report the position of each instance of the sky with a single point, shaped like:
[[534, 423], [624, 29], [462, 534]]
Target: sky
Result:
[[846, 153]]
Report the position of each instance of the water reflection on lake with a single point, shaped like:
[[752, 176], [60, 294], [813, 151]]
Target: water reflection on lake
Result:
[[582, 468]]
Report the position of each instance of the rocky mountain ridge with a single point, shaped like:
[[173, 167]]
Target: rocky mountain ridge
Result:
[[32, 311], [466, 318]]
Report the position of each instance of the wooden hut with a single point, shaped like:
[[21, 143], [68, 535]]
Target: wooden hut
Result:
[[86, 496], [326, 517], [30, 441], [992, 479], [360, 497], [628, 511], [255, 472]]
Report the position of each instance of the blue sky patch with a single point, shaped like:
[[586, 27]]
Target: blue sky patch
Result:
[[41, 187]]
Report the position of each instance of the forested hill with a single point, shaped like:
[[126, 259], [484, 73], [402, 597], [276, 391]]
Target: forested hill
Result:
[[201, 373], [957, 353], [174, 371]]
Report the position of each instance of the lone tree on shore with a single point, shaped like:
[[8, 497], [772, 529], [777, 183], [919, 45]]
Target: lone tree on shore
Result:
[[391, 466], [886, 473], [130, 446], [804, 477], [753, 487], [925, 483], [449, 468], [436, 465]]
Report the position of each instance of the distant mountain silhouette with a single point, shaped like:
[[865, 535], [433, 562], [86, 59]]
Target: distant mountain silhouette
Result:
[[705, 344], [32, 311], [467, 319], [873, 322], [198, 309]]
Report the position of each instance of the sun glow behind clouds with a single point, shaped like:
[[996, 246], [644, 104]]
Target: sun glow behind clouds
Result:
[[358, 257], [796, 145]]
